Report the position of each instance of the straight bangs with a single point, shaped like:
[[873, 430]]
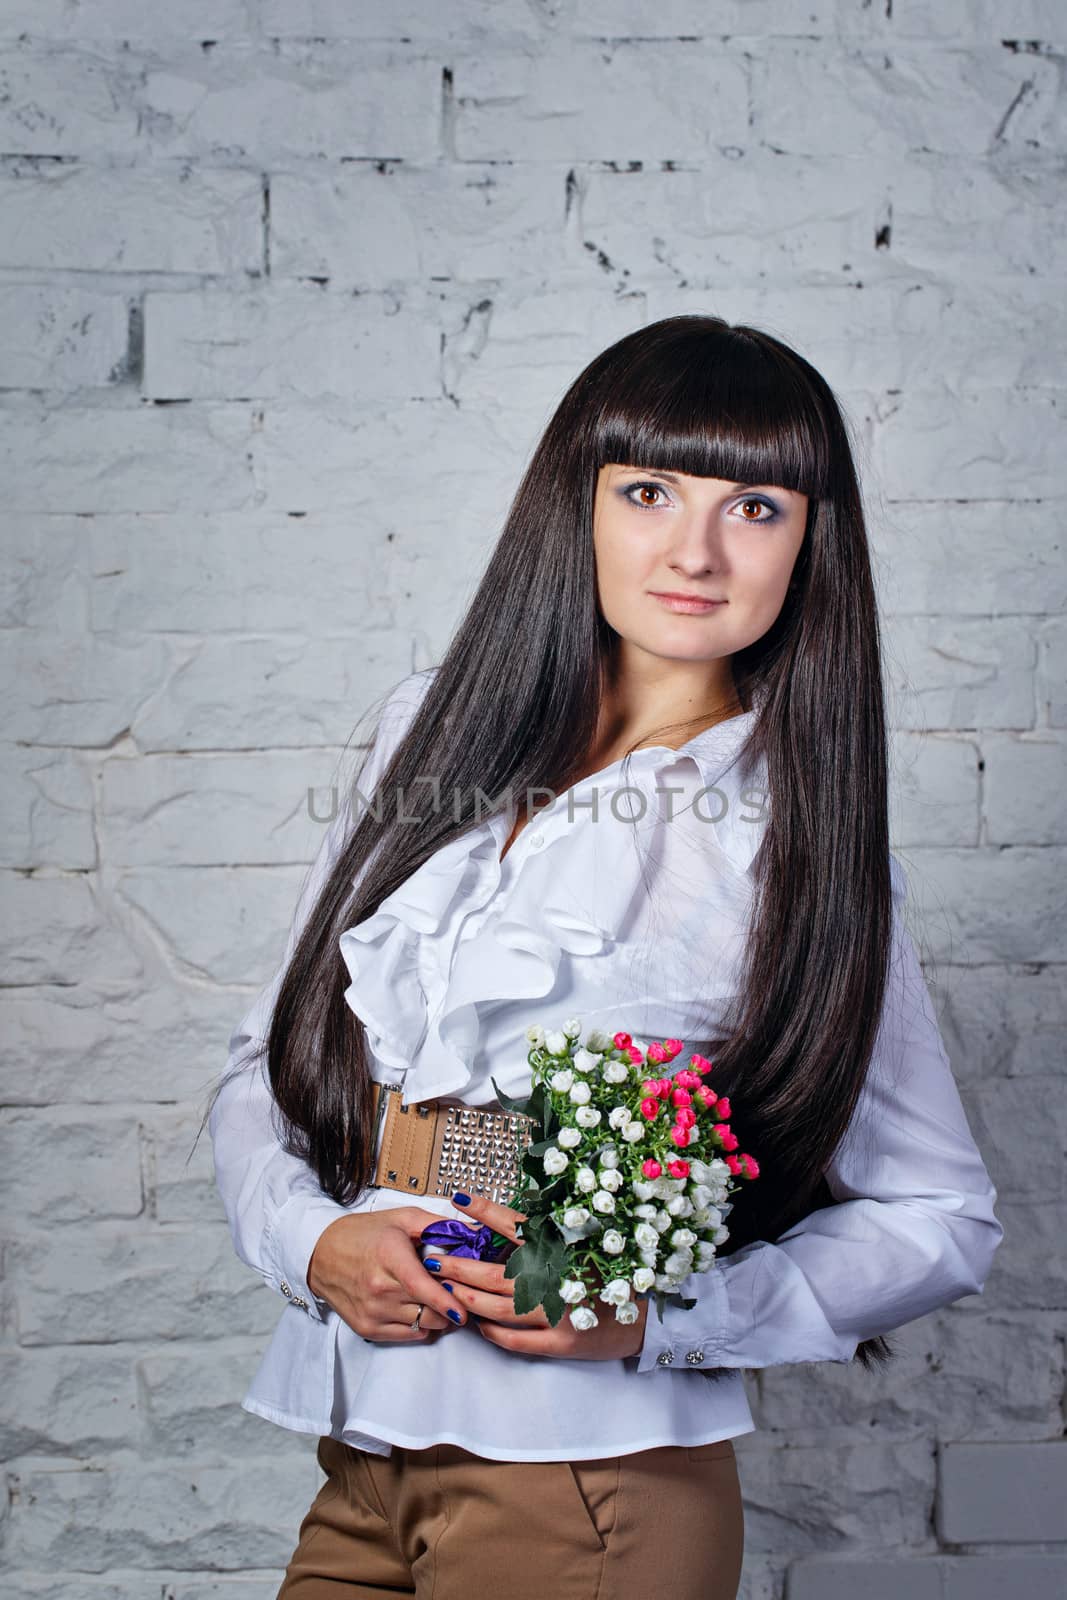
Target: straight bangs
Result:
[[736, 407]]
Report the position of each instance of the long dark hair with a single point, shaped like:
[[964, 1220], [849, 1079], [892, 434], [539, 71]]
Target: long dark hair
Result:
[[514, 705]]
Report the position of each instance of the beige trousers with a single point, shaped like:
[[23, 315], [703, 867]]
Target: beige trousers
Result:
[[443, 1524]]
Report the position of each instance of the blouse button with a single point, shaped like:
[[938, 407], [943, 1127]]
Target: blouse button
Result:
[[536, 841]]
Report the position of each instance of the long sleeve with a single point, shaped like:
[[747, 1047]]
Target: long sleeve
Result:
[[914, 1230], [274, 1204]]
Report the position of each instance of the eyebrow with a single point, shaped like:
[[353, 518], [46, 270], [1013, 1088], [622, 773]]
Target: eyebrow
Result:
[[656, 472]]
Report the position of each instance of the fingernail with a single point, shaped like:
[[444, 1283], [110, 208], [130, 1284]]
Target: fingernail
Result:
[[461, 1199], [455, 1315], [431, 1265], [449, 1287]]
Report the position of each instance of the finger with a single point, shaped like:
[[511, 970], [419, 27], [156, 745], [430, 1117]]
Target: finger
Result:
[[500, 1218], [480, 1274], [500, 1308], [524, 1341], [413, 1283]]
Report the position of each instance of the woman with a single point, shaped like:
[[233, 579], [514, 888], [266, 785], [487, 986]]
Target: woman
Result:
[[662, 815]]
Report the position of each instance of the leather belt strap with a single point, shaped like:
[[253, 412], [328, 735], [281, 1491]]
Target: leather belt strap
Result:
[[434, 1148]]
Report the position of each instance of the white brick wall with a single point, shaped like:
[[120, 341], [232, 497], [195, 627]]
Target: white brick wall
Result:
[[288, 289]]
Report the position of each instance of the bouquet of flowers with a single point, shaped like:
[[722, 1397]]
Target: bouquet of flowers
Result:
[[627, 1179]]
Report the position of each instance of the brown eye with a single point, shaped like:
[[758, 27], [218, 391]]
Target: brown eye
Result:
[[756, 505]]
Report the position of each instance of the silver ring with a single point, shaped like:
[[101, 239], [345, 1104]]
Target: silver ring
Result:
[[418, 1315]]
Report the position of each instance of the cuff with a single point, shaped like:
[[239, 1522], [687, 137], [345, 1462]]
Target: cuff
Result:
[[290, 1243], [691, 1339]]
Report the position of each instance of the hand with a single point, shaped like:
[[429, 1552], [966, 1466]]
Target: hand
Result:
[[482, 1289], [367, 1268]]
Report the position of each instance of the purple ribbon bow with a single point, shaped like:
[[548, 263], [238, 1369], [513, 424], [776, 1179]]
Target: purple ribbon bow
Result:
[[461, 1239]]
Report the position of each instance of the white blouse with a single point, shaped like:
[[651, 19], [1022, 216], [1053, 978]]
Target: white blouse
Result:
[[618, 903]]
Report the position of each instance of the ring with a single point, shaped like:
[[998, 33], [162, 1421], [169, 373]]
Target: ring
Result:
[[418, 1315]]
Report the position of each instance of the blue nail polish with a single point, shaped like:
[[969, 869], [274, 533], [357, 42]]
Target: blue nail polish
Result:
[[431, 1265], [455, 1316], [449, 1287], [461, 1199]]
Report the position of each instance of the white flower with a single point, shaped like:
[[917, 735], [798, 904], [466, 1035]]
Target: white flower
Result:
[[619, 1117], [662, 1221], [585, 1180], [720, 1236], [611, 1179], [597, 1040], [646, 1236], [700, 1194], [633, 1132], [616, 1291], [679, 1264], [679, 1205], [536, 1035], [612, 1242], [556, 1161], [703, 1219], [556, 1042], [642, 1189], [572, 1028], [649, 1257], [562, 1080], [627, 1312], [603, 1201], [662, 1188], [616, 1072], [645, 1211], [705, 1255], [581, 1094], [609, 1156], [569, 1137], [664, 1280], [571, 1290], [587, 1116], [584, 1060], [720, 1172], [699, 1172], [583, 1318], [643, 1279], [683, 1237], [576, 1216]]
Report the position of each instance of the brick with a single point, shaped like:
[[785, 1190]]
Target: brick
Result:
[[56, 930], [112, 1043], [45, 810], [146, 459], [977, 444], [109, 1284], [61, 339], [1004, 1021], [64, 214], [1039, 1577], [153, 1516], [404, 19], [205, 345], [44, 581], [1021, 1126], [73, 1403], [1032, 1268], [228, 925], [621, 101], [369, 228], [62, 102], [179, 1170], [1052, 672], [810, 101], [816, 1497], [935, 786], [1002, 1493], [920, 548], [130, 1585], [948, 214], [960, 673], [974, 906], [62, 1166], [119, 20], [77, 689], [191, 1402], [253, 808], [1025, 778], [876, 1578]]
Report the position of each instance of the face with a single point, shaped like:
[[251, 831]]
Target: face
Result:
[[657, 533]]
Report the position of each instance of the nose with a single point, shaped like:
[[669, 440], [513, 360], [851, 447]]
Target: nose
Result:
[[696, 549]]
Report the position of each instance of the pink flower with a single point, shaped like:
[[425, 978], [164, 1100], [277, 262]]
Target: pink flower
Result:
[[681, 1097], [680, 1137], [700, 1063], [684, 1117], [678, 1169], [663, 1088], [650, 1168], [686, 1079], [723, 1107], [734, 1165], [635, 1055], [751, 1165], [657, 1053], [622, 1041], [708, 1096], [673, 1048], [650, 1108], [730, 1141], [650, 1086]]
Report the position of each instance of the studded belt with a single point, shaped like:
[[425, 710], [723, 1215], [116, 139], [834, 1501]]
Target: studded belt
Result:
[[435, 1148]]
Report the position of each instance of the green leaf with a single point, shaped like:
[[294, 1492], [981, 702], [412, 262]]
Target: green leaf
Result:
[[508, 1102]]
